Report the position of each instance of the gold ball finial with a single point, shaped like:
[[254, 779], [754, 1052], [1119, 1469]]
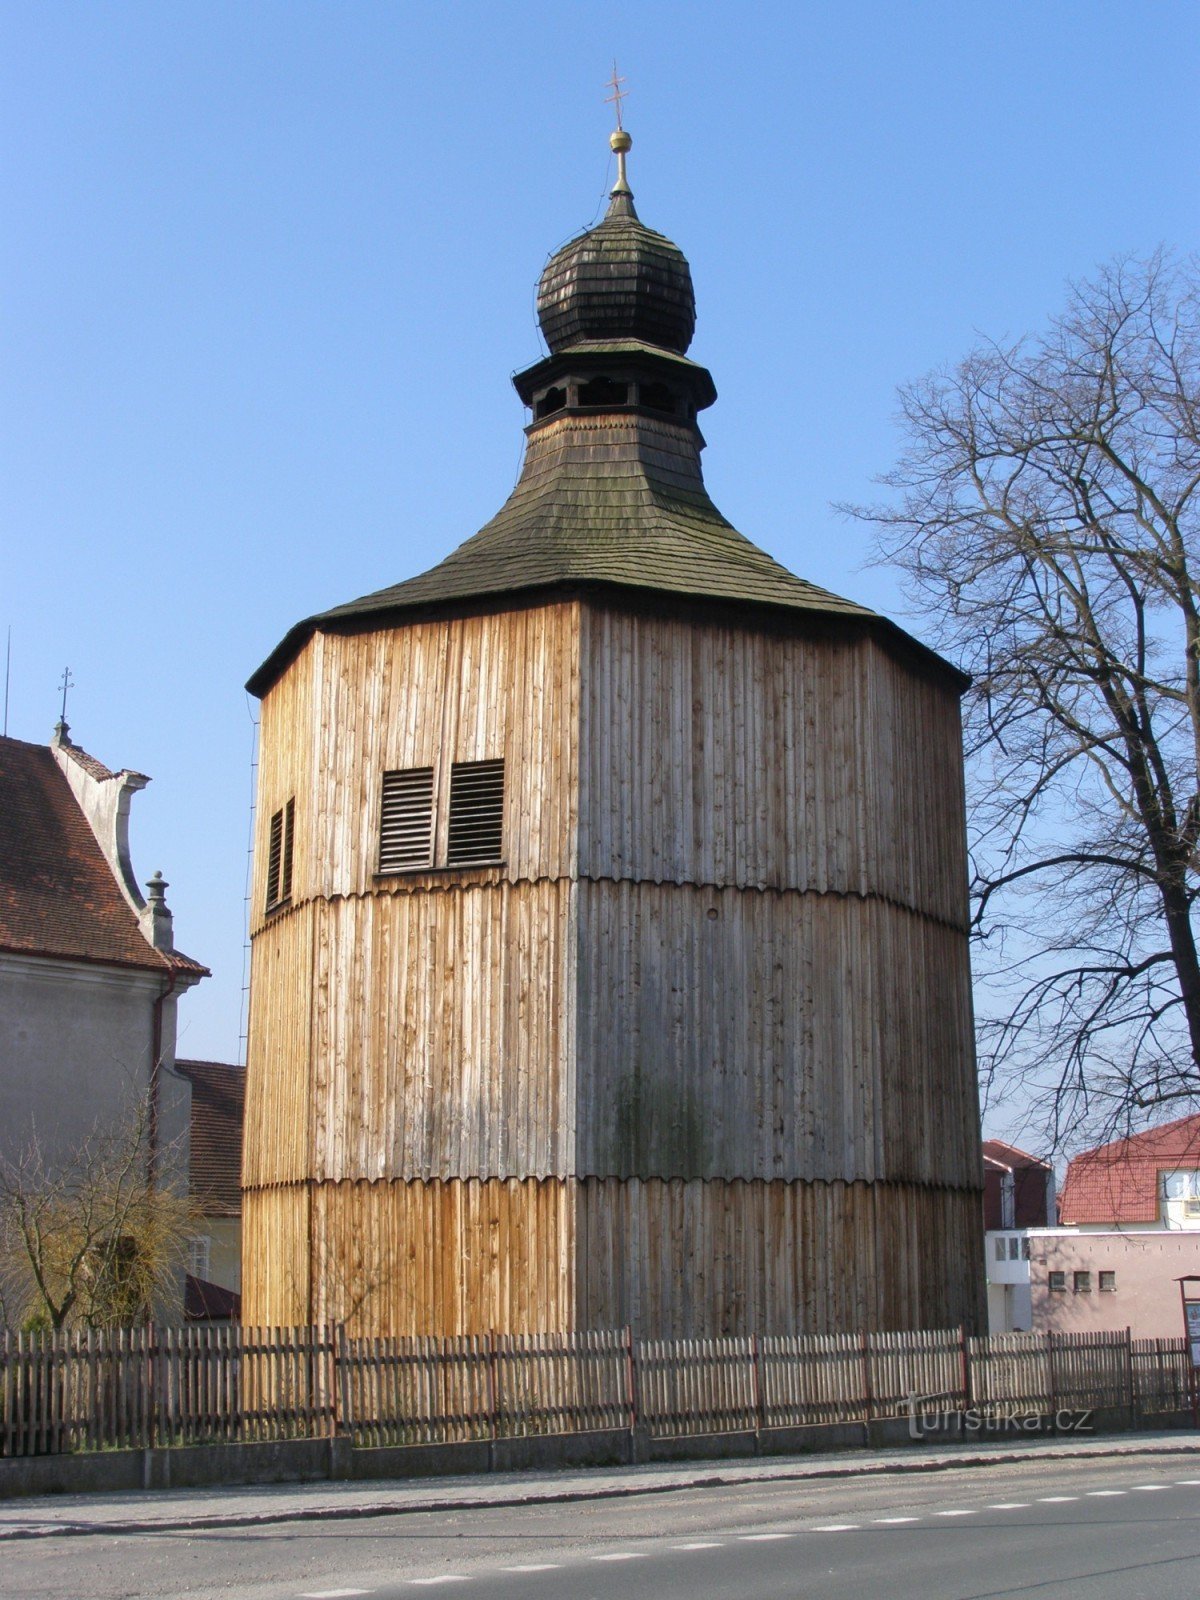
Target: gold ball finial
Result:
[[620, 141]]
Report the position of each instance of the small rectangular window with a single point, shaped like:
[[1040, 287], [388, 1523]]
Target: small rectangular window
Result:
[[1108, 1283], [476, 828], [1014, 1248], [1001, 1253], [1083, 1283], [406, 820], [199, 1255], [1058, 1283], [279, 856], [1025, 1248]]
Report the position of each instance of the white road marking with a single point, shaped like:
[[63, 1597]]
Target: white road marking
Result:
[[332, 1594], [444, 1577], [1188, 1481], [535, 1566], [699, 1544], [622, 1555], [1055, 1499], [1149, 1488], [897, 1519], [837, 1527], [1010, 1505], [762, 1538], [954, 1513], [1103, 1494]]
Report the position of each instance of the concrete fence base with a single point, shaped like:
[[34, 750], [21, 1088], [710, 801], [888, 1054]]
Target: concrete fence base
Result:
[[338, 1459]]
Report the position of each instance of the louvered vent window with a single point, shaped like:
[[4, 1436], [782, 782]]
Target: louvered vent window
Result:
[[476, 828], [279, 856], [406, 829]]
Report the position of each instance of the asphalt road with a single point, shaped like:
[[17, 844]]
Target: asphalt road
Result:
[[1090, 1530]]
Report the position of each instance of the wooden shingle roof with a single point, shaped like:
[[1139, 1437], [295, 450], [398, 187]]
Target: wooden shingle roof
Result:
[[618, 280], [615, 499], [612, 499]]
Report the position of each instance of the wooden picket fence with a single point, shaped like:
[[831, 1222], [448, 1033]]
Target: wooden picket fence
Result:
[[437, 1391], [143, 1387], [137, 1387], [1055, 1372]]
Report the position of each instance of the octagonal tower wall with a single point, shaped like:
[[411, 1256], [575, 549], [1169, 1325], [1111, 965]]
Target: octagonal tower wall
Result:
[[696, 1056]]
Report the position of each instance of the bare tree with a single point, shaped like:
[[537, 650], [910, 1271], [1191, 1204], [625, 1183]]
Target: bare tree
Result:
[[90, 1237], [1046, 518]]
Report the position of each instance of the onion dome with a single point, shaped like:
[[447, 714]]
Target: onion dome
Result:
[[620, 280]]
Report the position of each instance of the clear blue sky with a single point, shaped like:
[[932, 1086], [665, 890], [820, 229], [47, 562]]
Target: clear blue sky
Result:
[[267, 268]]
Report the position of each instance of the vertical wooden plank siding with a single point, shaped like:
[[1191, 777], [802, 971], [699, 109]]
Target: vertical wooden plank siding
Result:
[[732, 1033], [698, 1259], [726, 754], [696, 1057]]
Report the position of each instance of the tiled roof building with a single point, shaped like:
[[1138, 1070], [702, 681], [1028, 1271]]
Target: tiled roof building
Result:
[[59, 895], [89, 973], [1018, 1189], [215, 1156], [215, 1182], [1121, 1182]]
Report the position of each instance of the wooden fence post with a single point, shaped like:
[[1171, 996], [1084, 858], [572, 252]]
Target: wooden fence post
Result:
[[756, 1372], [1178, 1396], [1051, 1376], [964, 1357], [8, 1400], [1129, 1384], [493, 1397], [343, 1420], [631, 1377], [868, 1394]]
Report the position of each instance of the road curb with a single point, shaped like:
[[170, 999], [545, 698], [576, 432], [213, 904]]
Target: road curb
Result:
[[581, 1492]]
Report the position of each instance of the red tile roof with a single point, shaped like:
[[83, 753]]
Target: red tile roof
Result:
[[90, 764], [1118, 1182], [218, 1107], [58, 896]]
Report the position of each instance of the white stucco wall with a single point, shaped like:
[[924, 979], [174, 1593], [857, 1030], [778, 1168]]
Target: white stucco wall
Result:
[[76, 1043]]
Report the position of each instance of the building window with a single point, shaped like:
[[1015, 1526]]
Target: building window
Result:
[[279, 856], [406, 820], [553, 400], [1000, 1250], [476, 825], [1025, 1248], [474, 814], [603, 392], [657, 396], [1014, 1248], [1108, 1283], [1083, 1283], [199, 1256], [1180, 1195], [1058, 1283]]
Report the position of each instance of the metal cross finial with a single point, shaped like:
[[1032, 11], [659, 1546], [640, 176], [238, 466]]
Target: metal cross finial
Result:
[[68, 682], [618, 94]]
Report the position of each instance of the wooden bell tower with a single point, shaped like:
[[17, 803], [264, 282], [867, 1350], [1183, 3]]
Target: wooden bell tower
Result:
[[610, 939]]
